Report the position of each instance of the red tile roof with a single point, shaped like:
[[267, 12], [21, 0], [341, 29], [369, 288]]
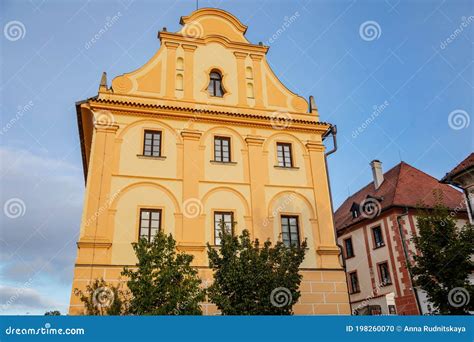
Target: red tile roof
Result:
[[403, 186], [462, 166]]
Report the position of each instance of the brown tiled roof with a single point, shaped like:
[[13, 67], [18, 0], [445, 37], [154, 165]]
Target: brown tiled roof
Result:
[[462, 166], [403, 186]]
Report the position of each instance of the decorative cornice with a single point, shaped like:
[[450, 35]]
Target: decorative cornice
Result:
[[254, 140], [188, 47], [240, 55], [177, 38], [171, 45], [255, 57], [328, 250], [105, 128], [207, 115], [315, 146], [191, 135], [94, 244]]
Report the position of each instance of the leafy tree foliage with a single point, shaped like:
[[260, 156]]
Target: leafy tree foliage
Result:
[[101, 298], [251, 279], [444, 264], [52, 313], [164, 282]]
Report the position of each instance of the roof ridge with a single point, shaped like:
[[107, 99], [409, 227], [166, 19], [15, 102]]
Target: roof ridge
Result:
[[368, 184], [395, 193]]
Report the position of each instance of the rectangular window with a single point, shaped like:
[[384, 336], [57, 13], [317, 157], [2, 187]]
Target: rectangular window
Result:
[[384, 274], [226, 218], [378, 238], [290, 230], [284, 155], [349, 248], [354, 282], [222, 149], [150, 223], [152, 144]]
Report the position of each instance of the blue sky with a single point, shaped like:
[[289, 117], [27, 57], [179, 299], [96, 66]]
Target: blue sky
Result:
[[405, 92]]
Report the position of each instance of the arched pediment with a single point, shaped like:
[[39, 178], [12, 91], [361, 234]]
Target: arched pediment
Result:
[[207, 22]]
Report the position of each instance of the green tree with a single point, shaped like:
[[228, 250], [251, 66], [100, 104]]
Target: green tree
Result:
[[250, 279], [52, 313], [444, 264], [101, 298], [164, 282]]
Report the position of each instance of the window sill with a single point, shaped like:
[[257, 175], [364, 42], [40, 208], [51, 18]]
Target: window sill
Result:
[[286, 167], [381, 246], [355, 292], [151, 157], [222, 163], [350, 257], [385, 284]]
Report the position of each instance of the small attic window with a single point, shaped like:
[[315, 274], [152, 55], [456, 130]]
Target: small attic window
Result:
[[215, 84], [355, 210]]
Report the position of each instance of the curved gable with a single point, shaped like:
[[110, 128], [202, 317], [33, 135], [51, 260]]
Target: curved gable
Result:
[[210, 39]]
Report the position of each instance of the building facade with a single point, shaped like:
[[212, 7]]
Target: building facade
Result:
[[205, 131], [462, 176], [375, 227]]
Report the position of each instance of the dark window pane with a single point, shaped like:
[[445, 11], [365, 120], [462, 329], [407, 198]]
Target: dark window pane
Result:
[[284, 154], [150, 223], [152, 143], [290, 230], [220, 218]]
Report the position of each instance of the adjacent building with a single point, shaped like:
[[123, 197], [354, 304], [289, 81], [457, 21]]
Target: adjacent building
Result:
[[204, 132], [375, 227], [462, 176]]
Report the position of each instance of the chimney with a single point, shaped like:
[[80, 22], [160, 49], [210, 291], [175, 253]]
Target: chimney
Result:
[[377, 172]]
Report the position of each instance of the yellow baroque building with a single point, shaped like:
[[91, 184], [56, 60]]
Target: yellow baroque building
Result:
[[205, 131]]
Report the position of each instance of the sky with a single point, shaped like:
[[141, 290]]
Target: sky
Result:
[[396, 77]]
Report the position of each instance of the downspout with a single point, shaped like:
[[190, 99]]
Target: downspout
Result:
[[333, 132], [405, 252]]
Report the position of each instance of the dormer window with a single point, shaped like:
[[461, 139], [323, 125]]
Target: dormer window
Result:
[[355, 210], [215, 84]]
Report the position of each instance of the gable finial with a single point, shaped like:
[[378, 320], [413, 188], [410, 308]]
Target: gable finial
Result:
[[312, 106], [103, 82]]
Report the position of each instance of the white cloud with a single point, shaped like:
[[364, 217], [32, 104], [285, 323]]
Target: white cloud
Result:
[[39, 245], [23, 299]]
